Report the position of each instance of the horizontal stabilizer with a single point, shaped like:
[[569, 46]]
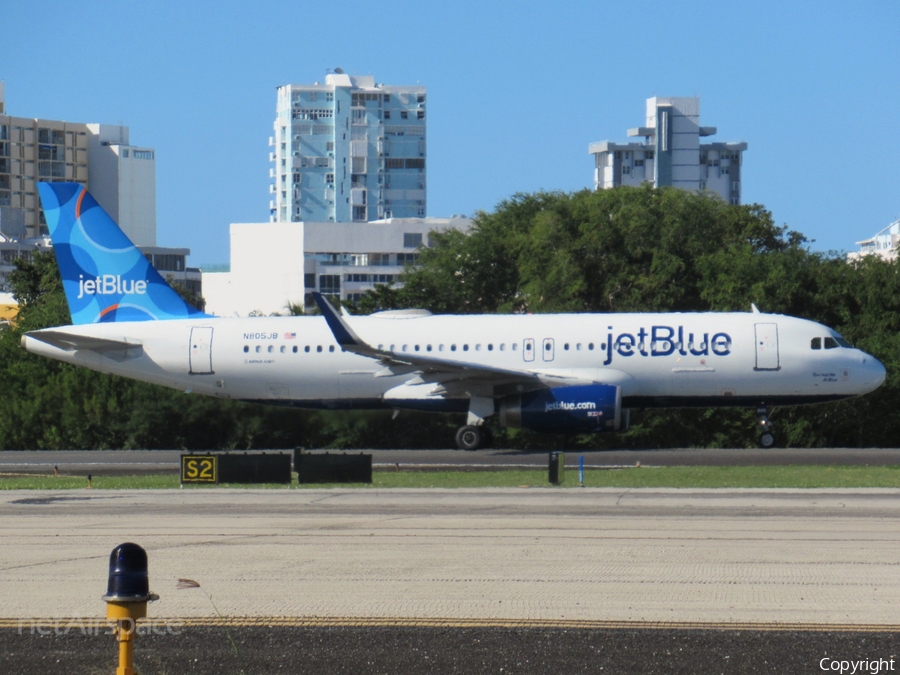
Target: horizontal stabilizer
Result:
[[71, 342]]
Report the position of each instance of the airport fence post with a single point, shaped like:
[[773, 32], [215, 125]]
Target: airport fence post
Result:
[[581, 470]]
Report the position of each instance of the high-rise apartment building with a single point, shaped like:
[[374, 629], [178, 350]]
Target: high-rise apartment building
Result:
[[671, 153], [121, 177], [349, 150]]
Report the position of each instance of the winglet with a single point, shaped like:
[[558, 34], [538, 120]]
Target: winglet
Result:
[[344, 335], [348, 339]]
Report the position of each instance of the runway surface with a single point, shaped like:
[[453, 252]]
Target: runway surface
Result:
[[469, 581], [83, 462]]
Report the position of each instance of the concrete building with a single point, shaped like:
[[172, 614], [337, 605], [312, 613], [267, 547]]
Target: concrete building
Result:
[[121, 177], [348, 150], [671, 153], [274, 264], [883, 244]]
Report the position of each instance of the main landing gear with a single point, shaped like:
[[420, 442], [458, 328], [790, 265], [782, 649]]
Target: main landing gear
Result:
[[474, 435], [764, 427], [469, 437]]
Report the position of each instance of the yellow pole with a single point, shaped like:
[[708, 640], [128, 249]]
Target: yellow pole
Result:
[[126, 614], [125, 635]]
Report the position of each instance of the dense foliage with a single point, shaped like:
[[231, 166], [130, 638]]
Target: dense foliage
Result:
[[627, 249]]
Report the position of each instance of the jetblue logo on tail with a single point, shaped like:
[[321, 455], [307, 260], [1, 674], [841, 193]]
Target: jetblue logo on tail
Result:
[[110, 284], [105, 277]]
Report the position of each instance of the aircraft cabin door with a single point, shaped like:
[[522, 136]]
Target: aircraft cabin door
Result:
[[528, 349], [201, 350], [549, 351], [766, 346]]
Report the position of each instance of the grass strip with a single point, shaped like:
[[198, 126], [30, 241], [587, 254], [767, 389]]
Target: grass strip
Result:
[[632, 477]]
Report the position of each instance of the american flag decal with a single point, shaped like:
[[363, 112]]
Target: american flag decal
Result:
[[290, 336]]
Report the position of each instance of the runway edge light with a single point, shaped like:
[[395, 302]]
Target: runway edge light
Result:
[[127, 595]]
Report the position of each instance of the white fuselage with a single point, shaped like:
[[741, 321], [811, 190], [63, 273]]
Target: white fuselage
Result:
[[657, 359]]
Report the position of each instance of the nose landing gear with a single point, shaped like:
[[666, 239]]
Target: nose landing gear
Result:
[[764, 428]]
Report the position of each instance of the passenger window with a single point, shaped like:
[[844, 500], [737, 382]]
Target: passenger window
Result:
[[566, 346], [272, 349], [319, 348], [478, 347], [246, 348], [830, 343], [294, 349], [502, 346], [514, 346], [440, 348], [490, 347], [578, 346], [306, 349], [452, 348], [590, 346], [258, 349], [331, 348], [465, 348], [416, 347], [816, 343], [282, 349], [428, 348]]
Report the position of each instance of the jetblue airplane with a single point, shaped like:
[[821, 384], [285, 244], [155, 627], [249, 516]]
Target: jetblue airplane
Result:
[[574, 373]]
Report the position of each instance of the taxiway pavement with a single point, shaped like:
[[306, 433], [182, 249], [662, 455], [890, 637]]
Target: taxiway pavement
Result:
[[654, 556]]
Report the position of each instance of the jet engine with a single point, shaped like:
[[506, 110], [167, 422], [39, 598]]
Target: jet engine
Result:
[[589, 408]]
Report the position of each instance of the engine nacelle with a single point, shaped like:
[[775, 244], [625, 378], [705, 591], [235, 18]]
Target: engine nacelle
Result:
[[588, 408]]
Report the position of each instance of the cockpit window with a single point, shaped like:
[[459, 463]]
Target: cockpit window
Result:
[[831, 342]]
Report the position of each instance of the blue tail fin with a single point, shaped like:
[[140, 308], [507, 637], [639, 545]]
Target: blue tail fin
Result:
[[105, 277]]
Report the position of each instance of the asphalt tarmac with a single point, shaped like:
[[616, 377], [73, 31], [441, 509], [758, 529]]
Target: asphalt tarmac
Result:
[[394, 650], [118, 462], [527, 581], [764, 566]]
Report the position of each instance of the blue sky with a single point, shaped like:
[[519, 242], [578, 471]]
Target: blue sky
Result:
[[516, 93]]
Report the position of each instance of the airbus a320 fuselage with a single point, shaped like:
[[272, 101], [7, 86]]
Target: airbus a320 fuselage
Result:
[[546, 372]]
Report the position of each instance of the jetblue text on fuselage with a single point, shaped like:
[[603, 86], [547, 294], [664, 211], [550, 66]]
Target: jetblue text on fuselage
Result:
[[110, 284], [665, 341]]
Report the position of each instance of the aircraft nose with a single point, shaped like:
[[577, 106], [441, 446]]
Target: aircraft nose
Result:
[[875, 371]]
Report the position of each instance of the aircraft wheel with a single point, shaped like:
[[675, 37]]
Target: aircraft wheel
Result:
[[767, 440], [468, 438]]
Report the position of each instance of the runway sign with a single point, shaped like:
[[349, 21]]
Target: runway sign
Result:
[[199, 469]]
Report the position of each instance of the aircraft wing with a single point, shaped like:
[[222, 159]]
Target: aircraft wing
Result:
[[453, 377], [71, 342]]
